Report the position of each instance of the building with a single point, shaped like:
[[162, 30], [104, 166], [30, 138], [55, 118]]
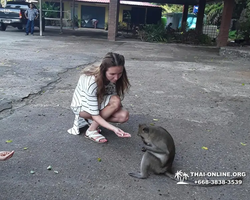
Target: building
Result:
[[130, 12]]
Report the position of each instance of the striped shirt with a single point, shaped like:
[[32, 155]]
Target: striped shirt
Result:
[[85, 95], [85, 99]]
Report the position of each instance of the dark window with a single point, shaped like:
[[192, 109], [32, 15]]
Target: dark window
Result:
[[126, 16]]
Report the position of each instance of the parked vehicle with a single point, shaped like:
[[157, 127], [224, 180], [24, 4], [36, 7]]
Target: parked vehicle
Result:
[[13, 15]]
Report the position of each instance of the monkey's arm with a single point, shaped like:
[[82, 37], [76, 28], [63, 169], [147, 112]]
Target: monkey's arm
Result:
[[154, 149]]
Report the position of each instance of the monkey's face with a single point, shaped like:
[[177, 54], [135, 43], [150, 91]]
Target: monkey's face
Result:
[[144, 133]]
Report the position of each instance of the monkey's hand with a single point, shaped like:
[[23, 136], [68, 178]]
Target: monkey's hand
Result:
[[155, 149]]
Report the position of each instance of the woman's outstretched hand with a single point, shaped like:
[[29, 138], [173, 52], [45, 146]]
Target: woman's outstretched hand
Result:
[[5, 155], [120, 133]]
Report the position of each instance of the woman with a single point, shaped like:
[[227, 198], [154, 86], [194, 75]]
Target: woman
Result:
[[98, 97]]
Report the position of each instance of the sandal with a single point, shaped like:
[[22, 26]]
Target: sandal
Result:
[[95, 136], [5, 155], [89, 123]]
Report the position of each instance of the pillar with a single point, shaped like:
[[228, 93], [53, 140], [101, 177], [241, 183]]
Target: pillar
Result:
[[184, 17], [225, 23], [73, 19], [113, 19], [200, 16]]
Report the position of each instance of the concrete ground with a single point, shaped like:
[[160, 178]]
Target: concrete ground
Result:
[[201, 98]]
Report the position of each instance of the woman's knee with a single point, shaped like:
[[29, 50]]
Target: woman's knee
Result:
[[124, 116], [115, 102]]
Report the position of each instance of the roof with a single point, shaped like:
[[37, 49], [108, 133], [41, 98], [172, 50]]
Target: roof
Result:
[[131, 3]]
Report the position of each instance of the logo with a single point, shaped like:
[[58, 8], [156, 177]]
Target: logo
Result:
[[181, 177]]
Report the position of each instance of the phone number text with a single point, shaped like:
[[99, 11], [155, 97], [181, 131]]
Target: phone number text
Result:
[[219, 182]]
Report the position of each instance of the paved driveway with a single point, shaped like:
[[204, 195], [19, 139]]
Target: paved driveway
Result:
[[202, 99]]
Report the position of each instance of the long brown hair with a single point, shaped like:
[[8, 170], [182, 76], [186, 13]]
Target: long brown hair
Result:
[[110, 60]]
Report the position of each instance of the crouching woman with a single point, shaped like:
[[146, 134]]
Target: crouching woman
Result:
[[97, 98]]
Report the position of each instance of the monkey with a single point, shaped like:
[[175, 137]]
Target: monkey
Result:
[[159, 151], [159, 154]]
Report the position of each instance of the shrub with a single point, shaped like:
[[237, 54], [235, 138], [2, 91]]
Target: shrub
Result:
[[153, 33]]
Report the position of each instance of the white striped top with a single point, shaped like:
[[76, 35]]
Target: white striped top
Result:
[[85, 95], [85, 99]]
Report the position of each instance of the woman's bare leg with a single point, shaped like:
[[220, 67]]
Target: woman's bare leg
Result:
[[121, 116], [112, 113]]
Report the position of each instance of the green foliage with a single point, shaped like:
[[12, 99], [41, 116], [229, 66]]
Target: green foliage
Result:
[[122, 26], [106, 26], [153, 33], [239, 6], [204, 39], [170, 8], [49, 10], [214, 12], [192, 37], [244, 22], [232, 35]]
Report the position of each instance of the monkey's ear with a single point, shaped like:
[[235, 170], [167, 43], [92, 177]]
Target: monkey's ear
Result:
[[145, 130]]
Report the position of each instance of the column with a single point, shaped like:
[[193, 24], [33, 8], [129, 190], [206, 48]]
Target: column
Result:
[[184, 17], [200, 16], [113, 19], [225, 23]]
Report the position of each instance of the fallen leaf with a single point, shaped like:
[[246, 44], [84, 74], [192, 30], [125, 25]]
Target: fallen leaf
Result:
[[243, 84], [9, 141], [152, 124], [243, 144], [32, 172], [49, 168], [56, 172], [25, 148], [156, 120], [205, 148], [99, 159]]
